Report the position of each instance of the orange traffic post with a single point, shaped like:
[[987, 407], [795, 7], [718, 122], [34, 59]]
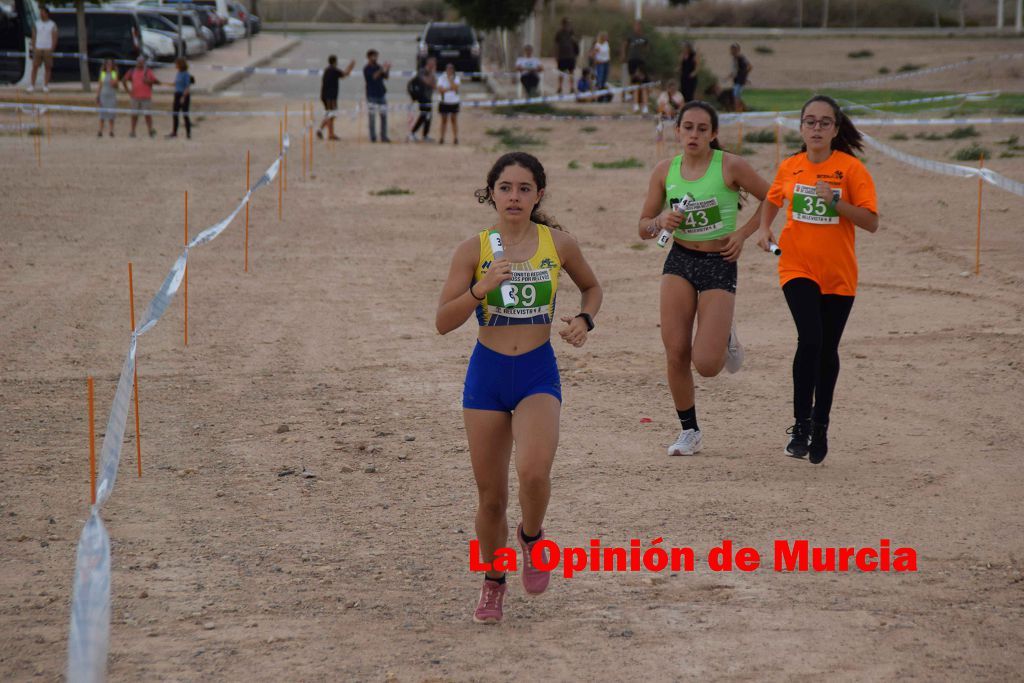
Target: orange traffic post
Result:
[[92, 447], [247, 188], [977, 241], [38, 141], [185, 281], [302, 142], [311, 152], [135, 386], [280, 168], [47, 117]]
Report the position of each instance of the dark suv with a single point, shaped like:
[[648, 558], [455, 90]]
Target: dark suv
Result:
[[113, 33], [455, 43]]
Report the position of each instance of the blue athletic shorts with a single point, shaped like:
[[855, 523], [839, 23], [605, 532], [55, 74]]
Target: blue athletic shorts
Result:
[[495, 381]]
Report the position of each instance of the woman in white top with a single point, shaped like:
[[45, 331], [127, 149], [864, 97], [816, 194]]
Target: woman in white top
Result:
[[601, 53], [448, 85]]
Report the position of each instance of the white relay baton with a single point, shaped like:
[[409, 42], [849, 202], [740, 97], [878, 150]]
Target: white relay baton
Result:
[[508, 291], [774, 248], [665, 236]]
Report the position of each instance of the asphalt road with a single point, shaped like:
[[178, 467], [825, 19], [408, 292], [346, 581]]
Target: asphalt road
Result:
[[399, 48]]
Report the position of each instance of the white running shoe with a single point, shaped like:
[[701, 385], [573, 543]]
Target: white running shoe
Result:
[[636, 108], [46, 88], [30, 88], [733, 352], [689, 442]]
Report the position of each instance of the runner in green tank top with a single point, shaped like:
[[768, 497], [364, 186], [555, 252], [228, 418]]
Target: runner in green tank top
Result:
[[696, 197]]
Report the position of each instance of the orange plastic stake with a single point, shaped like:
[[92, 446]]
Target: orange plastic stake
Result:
[[185, 283], [284, 161], [311, 152], [303, 143], [977, 241], [92, 447], [138, 432], [247, 187]]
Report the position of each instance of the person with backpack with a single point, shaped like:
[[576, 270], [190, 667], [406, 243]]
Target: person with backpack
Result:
[[421, 90]]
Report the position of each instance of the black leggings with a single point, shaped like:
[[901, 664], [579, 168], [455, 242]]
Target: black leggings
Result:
[[820, 319], [424, 119], [181, 104]]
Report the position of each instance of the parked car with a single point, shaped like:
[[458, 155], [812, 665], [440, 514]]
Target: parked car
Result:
[[12, 39], [449, 43], [212, 21], [110, 33], [238, 11], [154, 21], [234, 28], [188, 18], [159, 46]]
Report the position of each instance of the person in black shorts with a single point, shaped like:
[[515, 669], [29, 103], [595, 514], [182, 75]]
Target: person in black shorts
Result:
[[329, 94], [567, 49], [637, 49], [689, 65]]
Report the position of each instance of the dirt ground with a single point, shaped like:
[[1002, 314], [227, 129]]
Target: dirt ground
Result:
[[227, 568]]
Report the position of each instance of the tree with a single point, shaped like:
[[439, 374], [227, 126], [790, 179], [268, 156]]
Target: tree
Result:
[[488, 16], [83, 38]]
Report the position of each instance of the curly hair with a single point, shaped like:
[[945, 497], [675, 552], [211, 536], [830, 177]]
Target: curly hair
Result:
[[485, 194]]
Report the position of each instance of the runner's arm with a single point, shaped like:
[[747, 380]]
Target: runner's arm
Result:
[[460, 295], [651, 216], [591, 292]]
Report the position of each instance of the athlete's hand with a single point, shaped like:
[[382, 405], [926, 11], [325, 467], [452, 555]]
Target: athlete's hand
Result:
[[733, 246], [670, 219], [575, 331], [499, 271], [823, 190], [764, 236]]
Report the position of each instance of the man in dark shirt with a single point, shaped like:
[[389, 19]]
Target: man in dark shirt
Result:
[[329, 94], [741, 69], [376, 94], [636, 60], [566, 51]]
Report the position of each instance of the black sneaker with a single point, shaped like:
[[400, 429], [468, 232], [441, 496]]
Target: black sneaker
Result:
[[801, 436], [818, 448]]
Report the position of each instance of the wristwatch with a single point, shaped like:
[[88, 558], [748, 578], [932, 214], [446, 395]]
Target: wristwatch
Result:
[[835, 200], [588, 320]]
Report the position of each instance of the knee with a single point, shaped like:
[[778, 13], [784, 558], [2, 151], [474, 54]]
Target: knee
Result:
[[707, 366], [534, 482], [493, 504], [678, 357]]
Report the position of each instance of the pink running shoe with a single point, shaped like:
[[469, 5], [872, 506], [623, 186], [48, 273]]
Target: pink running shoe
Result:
[[488, 609], [535, 581]]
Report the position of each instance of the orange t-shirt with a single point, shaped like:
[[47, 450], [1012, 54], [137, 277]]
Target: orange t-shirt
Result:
[[817, 243]]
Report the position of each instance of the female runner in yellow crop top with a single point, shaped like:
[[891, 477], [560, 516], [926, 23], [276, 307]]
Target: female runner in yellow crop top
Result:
[[512, 392]]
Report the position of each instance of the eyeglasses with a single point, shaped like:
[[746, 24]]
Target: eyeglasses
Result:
[[824, 124]]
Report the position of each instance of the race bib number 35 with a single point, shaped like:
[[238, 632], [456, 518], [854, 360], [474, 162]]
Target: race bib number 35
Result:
[[808, 207]]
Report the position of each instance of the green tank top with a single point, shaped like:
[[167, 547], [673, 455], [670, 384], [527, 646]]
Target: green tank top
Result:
[[708, 205]]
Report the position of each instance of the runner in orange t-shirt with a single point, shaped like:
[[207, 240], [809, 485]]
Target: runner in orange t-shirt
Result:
[[829, 192]]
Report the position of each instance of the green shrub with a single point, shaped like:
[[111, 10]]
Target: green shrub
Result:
[[631, 162], [962, 132], [573, 165], [883, 70], [928, 136], [514, 138], [588, 129], [910, 67], [972, 153], [861, 54], [760, 136], [390, 191], [763, 50], [1011, 141], [899, 136]]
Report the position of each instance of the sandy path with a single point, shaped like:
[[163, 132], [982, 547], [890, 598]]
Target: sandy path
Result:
[[356, 575]]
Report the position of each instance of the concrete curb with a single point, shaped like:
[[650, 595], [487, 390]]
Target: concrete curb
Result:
[[231, 78]]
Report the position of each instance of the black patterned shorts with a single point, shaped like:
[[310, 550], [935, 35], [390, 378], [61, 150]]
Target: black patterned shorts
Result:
[[702, 269]]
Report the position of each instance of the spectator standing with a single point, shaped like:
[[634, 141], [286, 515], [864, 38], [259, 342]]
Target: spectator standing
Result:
[[529, 68], [329, 94], [636, 50], [567, 48], [106, 98], [689, 65], [601, 53], [376, 94], [741, 69], [182, 97], [139, 82], [424, 96], [448, 86], [44, 41]]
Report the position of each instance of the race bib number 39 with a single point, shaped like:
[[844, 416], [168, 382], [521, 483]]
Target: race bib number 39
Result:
[[699, 217], [531, 291], [808, 207]]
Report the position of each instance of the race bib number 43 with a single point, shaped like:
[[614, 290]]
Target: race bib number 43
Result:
[[699, 217], [808, 207]]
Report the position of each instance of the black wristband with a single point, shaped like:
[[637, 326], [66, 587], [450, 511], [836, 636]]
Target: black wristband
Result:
[[588, 320], [474, 295]]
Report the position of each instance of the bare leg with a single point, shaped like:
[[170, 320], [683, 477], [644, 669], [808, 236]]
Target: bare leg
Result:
[[714, 321], [678, 311], [490, 449], [535, 431], [149, 123], [455, 128], [135, 121], [444, 126]]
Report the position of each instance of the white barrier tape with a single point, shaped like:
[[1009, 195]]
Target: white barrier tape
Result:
[[97, 60], [939, 122], [922, 72], [744, 116], [43, 108], [988, 175], [286, 71], [89, 633]]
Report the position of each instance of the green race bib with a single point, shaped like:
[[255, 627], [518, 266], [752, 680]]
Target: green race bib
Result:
[[532, 292], [808, 207]]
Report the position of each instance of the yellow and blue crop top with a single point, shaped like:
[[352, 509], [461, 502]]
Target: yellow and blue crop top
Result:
[[535, 283]]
